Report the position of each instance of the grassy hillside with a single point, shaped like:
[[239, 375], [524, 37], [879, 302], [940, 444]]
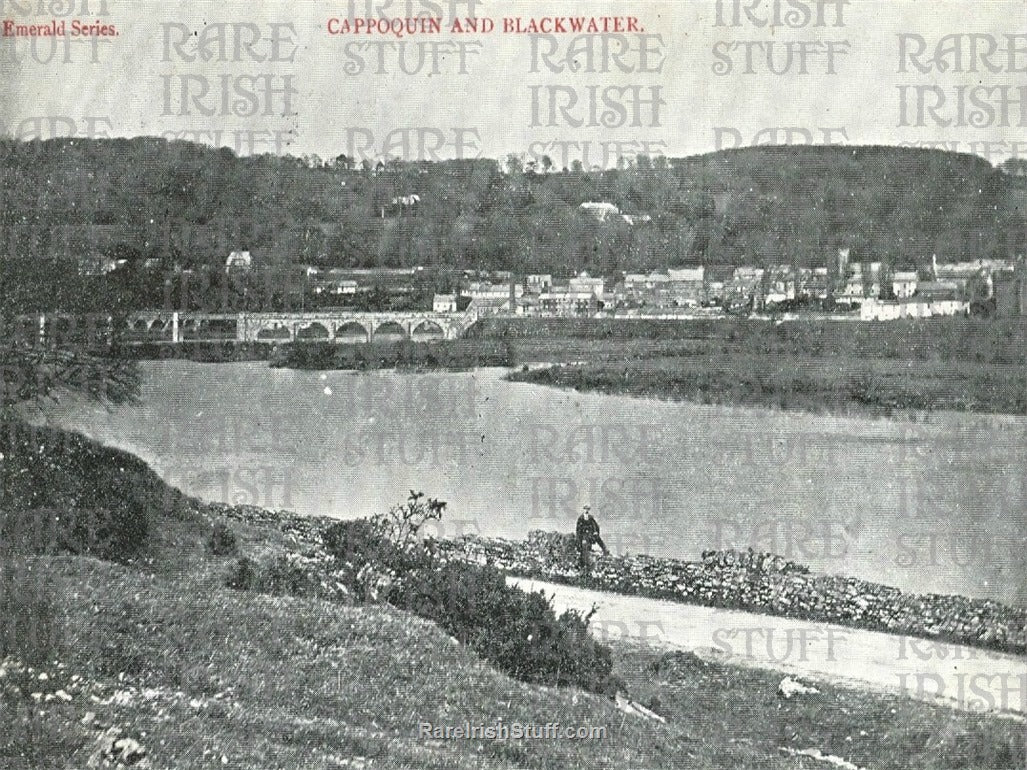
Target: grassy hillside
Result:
[[156, 658], [201, 676]]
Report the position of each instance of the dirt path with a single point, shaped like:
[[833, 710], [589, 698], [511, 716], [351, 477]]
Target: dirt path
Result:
[[963, 677]]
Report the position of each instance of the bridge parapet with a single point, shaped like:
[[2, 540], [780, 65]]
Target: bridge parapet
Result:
[[339, 326], [176, 327]]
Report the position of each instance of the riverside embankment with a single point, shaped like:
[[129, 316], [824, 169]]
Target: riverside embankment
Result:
[[757, 582], [825, 648], [958, 676]]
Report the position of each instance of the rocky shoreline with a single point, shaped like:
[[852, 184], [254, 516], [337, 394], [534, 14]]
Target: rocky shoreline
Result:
[[756, 582], [742, 580]]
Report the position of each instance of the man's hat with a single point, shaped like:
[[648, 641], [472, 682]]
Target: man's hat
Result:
[[587, 507]]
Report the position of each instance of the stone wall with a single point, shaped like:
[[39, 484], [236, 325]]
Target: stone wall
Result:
[[756, 582]]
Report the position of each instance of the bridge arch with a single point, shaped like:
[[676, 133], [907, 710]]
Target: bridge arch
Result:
[[274, 333], [428, 330], [351, 331], [390, 330], [193, 328], [315, 330]]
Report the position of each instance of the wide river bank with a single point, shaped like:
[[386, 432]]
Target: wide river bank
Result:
[[936, 506]]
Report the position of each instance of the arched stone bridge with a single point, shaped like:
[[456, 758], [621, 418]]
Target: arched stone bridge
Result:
[[175, 327], [351, 327], [330, 326]]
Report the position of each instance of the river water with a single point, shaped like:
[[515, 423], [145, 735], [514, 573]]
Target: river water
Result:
[[936, 505]]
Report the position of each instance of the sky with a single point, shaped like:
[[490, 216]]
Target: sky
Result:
[[677, 78]]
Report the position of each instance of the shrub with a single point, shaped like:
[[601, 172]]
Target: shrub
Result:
[[243, 575], [356, 543], [515, 631], [402, 523], [372, 551], [554, 547], [222, 541], [278, 576], [366, 560]]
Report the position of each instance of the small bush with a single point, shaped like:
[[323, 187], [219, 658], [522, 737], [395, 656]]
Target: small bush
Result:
[[278, 576], [357, 542], [222, 541], [243, 575], [402, 523], [515, 631], [555, 547]]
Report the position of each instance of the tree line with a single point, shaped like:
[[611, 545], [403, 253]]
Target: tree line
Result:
[[165, 206]]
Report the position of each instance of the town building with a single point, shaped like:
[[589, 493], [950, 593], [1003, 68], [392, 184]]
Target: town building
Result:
[[861, 282], [563, 300], [606, 212], [781, 284], [601, 210], [98, 264], [717, 278], [892, 310], [938, 291], [746, 286], [812, 283], [536, 283], [239, 260], [444, 303], [490, 306], [490, 290], [685, 287], [333, 281], [586, 284], [904, 283]]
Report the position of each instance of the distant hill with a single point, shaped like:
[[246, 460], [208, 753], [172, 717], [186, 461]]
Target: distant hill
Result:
[[898, 204], [190, 204]]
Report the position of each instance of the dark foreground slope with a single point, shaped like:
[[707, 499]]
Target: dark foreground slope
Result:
[[152, 661]]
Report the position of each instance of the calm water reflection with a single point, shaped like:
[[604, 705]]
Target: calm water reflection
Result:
[[937, 506]]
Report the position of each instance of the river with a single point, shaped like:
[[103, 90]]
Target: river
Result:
[[937, 505]]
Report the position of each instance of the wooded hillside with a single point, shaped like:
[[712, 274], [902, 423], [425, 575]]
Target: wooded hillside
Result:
[[191, 204]]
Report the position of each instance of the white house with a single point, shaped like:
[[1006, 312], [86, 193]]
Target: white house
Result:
[[332, 281], [890, 310], [586, 284], [489, 290], [688, 274], [444, 303], [904, 283], [600, 209], [98, 264], [239, 260]]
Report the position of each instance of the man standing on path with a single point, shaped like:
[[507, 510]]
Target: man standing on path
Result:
[[587, 534]]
